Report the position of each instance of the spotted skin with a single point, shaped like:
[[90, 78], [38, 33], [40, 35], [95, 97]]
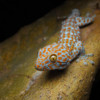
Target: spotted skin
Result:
[[68, 47]]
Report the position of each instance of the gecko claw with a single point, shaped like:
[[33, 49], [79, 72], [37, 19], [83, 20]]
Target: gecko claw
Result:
[[85, 63]]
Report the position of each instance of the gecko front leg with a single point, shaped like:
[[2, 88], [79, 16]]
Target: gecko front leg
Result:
[[85, 57], [79, 51]]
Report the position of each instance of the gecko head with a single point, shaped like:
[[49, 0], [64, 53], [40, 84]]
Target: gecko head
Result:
[[52, 57]]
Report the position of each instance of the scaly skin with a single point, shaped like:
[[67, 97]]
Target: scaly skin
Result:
[[68, 47]]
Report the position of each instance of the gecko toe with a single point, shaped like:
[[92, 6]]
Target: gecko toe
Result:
[[85, 63]]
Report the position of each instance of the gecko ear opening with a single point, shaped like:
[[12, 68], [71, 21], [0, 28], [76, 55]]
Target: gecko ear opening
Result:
[[53, 58]]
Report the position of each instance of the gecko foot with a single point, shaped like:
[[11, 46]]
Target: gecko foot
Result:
[[87, 14], [84, 58]]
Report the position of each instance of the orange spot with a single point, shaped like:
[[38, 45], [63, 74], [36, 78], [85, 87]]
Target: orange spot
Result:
[[75, 22], [66, 40], [71, 48], [56, 65], [73, 41], [59, 50], [56, 51], [72, 31], [42, 64], [45, 48], [72, 38], [68, 57], [67, 49], [37, 66], [60, 63], [82, 18], [63, 41], [71, 53], [59, 58], [40, 67], [56, 46], [75, 30], [40, 53], [68, 36], [38, 61], [46, 68], [59, 53], [75, 48], [64, 29], [49, 50], [46, 62], [63, 51], [69, 28], [46, 57], [76, 51], [50, 67], [64, 59], [59, 41], [64, 25], [41, 58], [70, 42], [68, 33], [81, 23], [79, 48], [63, 55], [79, 20], [50, 46], [87, 20], [44, 51], [78, 44], [68, 61], [61, 47], [49, 64], [63, 36], [69, 24], [43, 55]]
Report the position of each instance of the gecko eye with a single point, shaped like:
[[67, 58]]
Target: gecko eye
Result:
[[53, 58]]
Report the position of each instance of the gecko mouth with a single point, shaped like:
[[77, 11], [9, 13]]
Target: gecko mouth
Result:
[[62, 63]]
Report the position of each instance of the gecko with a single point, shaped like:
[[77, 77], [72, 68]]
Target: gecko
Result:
[[58, 56]]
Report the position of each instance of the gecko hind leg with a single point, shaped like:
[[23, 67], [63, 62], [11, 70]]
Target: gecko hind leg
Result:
[[85, 57]]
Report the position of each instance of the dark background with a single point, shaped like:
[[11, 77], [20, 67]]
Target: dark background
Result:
[[17, 13]]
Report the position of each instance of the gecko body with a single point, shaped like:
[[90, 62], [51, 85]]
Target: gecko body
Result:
[[59, 55]]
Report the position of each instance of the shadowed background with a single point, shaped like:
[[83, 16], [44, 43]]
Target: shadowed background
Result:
[[16, 13]]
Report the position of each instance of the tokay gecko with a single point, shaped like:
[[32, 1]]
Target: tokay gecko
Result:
[[59, 55]]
